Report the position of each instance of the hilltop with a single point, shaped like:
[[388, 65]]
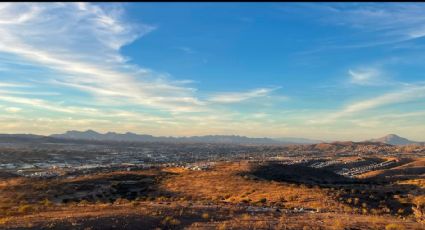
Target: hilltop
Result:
[[394, 139]]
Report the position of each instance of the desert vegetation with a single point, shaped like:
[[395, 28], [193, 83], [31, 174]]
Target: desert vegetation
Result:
[[232, 195]]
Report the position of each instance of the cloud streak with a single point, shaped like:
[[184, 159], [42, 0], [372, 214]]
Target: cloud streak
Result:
[[368, 76], [397, 22], [236, 97], [372, 24], [406, 94]]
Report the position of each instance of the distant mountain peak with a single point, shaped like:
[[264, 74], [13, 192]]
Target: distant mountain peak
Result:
[[87, 131], [394, 139], [91, 131]]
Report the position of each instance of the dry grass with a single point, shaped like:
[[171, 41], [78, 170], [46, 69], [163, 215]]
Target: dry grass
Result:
[[331, 221], [189, 207], [224, 183]]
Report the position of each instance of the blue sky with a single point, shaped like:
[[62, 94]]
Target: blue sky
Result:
[[330, 71]]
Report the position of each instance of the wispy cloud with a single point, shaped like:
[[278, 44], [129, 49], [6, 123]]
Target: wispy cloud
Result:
[[234, 97], [406, 94], [366, 76], [43, 104], [79, 112], [378, 24], [186, 49], [83, 41], [13, 109], [11, 85], [393, 21]]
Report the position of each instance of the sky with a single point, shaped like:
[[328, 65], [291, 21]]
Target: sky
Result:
[[328, 71]]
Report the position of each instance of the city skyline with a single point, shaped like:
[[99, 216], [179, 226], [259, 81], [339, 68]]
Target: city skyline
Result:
[[328, 71]]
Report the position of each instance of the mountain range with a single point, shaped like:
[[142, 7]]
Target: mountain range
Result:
[[132, 137], [90, 135]]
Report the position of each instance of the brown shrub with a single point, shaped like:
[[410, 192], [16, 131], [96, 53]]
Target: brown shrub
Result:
[[26, 208], [394, 227]]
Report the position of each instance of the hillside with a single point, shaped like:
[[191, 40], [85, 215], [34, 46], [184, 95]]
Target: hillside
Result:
[[176, 198]]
